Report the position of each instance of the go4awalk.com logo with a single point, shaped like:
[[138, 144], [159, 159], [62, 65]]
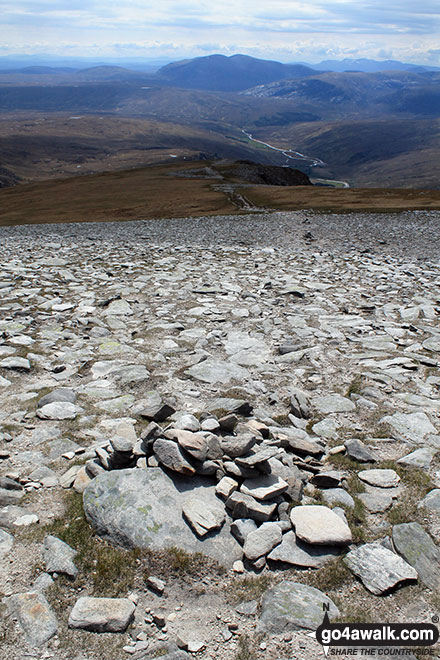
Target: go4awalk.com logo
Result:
[[375, 639]]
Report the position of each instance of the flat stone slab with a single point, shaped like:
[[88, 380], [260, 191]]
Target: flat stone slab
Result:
[[319, 525], [203, 516], [419, 550], [143, 508], [61, 394], [217, 371], [376, 502], [266, 487], [58, 410], [19, 363], [293, 551], [412, 427], [333, 403], [102, 614], [262, 540], [240, 505], [380, 478], [420, 458], [337, 496], [59, 556], [34, 615], [432, 500], [293, 606], [378, 568]]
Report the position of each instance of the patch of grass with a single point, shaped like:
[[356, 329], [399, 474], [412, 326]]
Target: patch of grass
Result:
[[354, 485], [247, 648], [356, 518], [343, 462], [417, 484], [111, 571], [249, 588], [333, 575], [355, 614], [355, 386]]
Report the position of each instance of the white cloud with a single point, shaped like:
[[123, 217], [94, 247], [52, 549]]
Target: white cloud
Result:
[[285, 29]]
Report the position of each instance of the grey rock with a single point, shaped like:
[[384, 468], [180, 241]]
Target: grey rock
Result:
[[228, 423], [260, 455], [358, 451], [17, 363], [293, 606], [299, 442], [333, 403], [6, 543], [419, 550], [8, 496], [217, 371], [226, 487], [59, 556], [169, 454], [247, 608], [43, 582], [244, 506], [154, 408], [10, 484], [120, 308], [201, 445], [9, 514], [143, 508], [61, 394], [187, 422], [294, 551], [34, 615], [265, 487], [156, 584], [334, 496], [431, 501], [239, 445], [240, 471], [122, 444], [241, 527], [327, 479], [420, 458], [262, 540], [299, 404], [228, 405], [58, 410], [203, 516], [376, 502], [319, 525], [412, 427], [378, 568], [380, 478], [326, 428], [102, 614]]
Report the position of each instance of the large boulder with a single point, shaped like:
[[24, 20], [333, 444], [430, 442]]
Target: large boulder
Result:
[[143, 509], [293, 606]]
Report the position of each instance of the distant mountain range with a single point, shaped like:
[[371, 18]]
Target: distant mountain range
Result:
[[369, 66], [224, 107]]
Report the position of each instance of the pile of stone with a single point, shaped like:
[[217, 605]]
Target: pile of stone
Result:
[[260, 472]]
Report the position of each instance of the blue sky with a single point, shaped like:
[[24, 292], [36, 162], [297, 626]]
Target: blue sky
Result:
[[286, 30]]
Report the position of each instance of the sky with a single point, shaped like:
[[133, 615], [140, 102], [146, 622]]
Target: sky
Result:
[[286, 30]]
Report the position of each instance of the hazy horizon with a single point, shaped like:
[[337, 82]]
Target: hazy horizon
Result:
[[285, 31]]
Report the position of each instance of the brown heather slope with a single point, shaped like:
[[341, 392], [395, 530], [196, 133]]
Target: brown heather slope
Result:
[[182, 190]]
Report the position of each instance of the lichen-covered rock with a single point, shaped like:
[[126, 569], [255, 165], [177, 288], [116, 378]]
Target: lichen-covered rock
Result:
[[139, 508]]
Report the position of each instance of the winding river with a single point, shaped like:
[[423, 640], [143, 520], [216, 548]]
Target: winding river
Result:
[[297, 155]]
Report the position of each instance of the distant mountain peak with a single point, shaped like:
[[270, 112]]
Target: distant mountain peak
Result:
[[229, 73]]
